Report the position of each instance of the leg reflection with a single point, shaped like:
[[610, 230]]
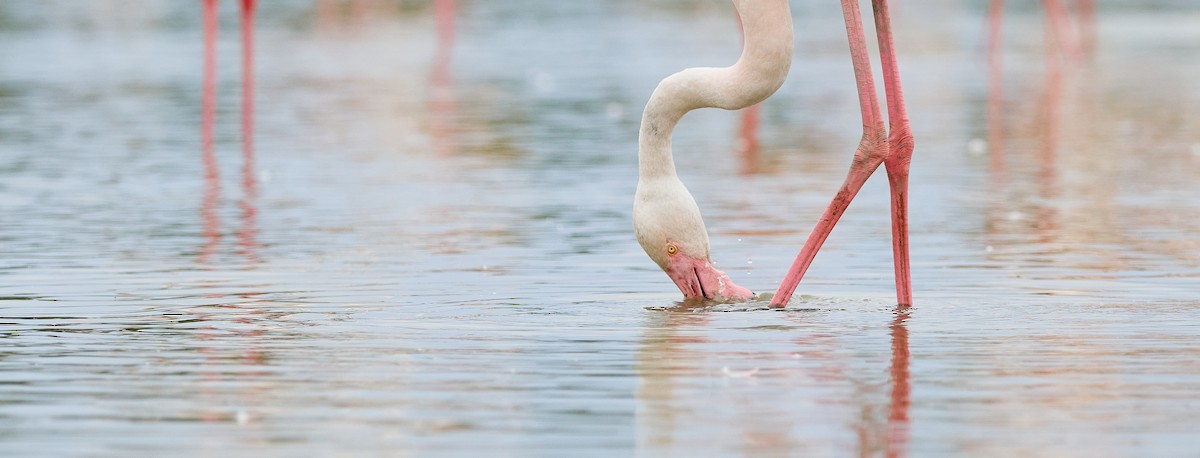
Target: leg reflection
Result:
[[662, 359], [898, 421]]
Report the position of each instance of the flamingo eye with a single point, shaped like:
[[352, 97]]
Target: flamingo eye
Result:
[[672, 249]]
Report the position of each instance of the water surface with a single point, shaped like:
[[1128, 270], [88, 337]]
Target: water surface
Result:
[[428, 249]]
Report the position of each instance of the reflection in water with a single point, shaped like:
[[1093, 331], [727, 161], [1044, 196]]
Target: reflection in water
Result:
[[1054, 190], [1063, 41], [220, 403], [674, 407], [1060, 43], [898, 420], [659, 360], [677, 408]]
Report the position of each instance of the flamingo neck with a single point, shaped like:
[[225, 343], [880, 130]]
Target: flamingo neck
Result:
[[758, 73]]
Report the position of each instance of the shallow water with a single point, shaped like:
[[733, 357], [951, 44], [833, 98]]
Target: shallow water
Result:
[[430, 251]]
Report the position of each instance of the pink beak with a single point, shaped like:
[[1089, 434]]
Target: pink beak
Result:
[[698, 278]]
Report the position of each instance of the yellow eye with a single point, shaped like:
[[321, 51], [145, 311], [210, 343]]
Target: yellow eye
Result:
[[671, 249]]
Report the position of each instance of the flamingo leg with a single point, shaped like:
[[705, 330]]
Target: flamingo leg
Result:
[[249, 245], [1059, 16], [248, 8], [995, 99], [900, 148], [208, 103], [871, 152], [748, 143], [877, 147]]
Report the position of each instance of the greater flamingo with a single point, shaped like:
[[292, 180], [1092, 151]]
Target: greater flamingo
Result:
[[666, 218]]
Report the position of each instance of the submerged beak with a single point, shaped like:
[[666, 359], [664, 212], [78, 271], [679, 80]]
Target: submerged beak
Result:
[[698, 278]]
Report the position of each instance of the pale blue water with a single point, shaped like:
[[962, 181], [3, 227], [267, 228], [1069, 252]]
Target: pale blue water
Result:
[[423, 267]]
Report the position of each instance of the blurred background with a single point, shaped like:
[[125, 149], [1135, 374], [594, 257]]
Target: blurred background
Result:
[[402, 227]]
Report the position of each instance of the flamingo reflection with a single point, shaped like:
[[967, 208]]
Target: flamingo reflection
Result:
[[1065, 45], [1066, 202], [898, 430], [673, 366], [679, 383]]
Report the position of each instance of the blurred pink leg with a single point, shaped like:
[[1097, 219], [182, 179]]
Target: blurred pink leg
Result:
[[748, 130], [441, 100], [208, 103], [249, 231], [1060, 23], [748, 143], [995, 104], [248, 7], [1087, 26]]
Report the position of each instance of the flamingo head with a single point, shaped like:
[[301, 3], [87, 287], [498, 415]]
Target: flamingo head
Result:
[[697, 277], [669, 228]]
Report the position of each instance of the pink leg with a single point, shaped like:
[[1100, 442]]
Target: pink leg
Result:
[[872, 150], [1087, 26], [1053, 98], [444, 15], [748, 139], [995, 104], [248, 7], [748, 132], [208, 104], [441, 100], [1060, 23], [247, 235], [900, 146]]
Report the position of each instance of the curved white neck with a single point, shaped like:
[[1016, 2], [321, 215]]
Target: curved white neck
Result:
[[766, 58]]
